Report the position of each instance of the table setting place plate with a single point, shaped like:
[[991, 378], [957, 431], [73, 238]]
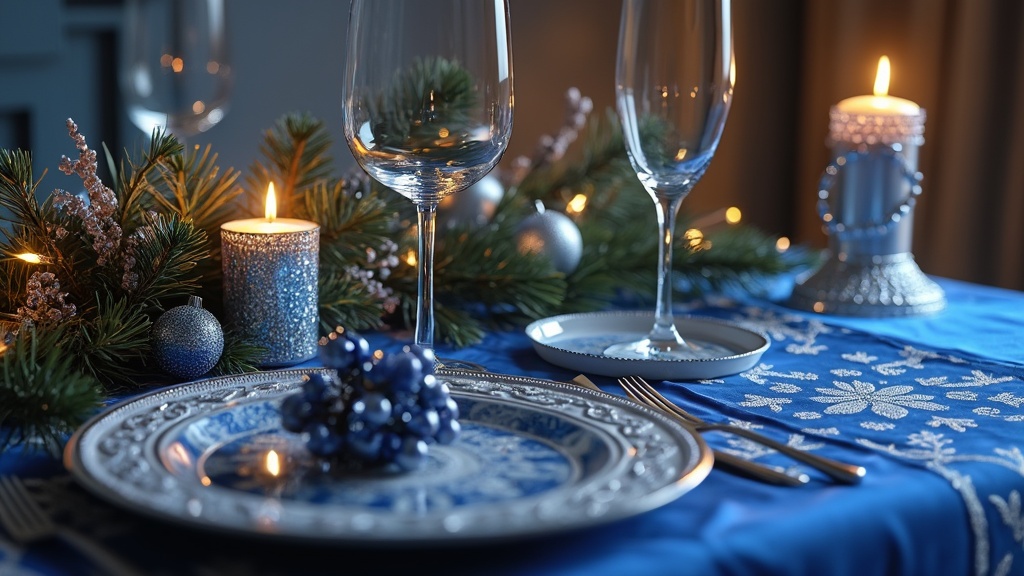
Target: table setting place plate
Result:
[[534, 457], [579, 341]]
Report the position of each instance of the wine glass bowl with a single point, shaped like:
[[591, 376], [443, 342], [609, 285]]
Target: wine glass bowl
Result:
[[674, 81], [175, 71], [427, 103]]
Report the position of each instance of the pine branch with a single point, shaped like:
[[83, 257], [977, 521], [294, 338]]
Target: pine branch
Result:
[[113, 345], [296, 154], [18, 192], [239, 355], [134, 179], [167, 252], [44, 397], [345, 301]]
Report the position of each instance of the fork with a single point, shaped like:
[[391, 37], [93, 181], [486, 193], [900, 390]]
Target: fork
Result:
[[641, 391], [727, 461], [26, 523]]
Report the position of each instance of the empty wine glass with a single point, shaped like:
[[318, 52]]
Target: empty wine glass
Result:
[[673, 88], [175, 73], [428, 106]]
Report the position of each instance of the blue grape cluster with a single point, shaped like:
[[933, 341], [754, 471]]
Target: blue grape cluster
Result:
[[373, 411]]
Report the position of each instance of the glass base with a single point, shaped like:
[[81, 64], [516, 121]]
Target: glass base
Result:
[[648, 349], [453, 364]]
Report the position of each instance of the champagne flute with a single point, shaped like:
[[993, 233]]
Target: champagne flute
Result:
[[673, 87], [427, 103], [175, 73]]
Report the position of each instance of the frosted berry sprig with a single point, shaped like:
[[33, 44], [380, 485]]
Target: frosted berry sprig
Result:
[[374, 410]]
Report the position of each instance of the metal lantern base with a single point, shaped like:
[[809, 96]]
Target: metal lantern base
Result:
[[869, 286]]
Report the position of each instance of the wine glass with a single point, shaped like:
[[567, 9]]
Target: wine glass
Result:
[[174, 70], [427, 103], [673, 88]]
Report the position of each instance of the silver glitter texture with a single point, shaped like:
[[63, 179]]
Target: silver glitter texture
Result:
[[187, 340], [270, 292]]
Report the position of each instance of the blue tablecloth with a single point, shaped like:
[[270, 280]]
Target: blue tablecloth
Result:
[[931, 406]]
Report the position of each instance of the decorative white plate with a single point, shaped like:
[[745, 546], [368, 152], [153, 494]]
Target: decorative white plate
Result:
[[578, 341], [534, 457]]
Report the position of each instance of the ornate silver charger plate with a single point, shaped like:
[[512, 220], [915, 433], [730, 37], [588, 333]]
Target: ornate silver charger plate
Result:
[[578, 342], [534, 457]]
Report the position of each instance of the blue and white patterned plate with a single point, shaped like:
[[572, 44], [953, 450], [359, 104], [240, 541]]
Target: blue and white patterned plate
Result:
[[534, 457]]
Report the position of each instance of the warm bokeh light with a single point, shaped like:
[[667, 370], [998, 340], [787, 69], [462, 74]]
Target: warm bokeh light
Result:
[[782, 244], [694, 237], [165, 60], [177, 64], [198, 107], [577, 204], [212, 67], [273, 463], [31, 258], [733, 215], [271, 209], [410, 258], [882, 77]]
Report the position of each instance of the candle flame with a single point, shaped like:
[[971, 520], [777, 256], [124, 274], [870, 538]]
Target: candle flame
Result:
[[882, 77], [273, 463], [271, 203]]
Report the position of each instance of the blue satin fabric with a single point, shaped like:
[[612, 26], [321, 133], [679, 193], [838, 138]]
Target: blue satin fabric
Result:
[[936, 500]]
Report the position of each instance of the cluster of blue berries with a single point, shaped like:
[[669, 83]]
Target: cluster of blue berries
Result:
[[377, 410]]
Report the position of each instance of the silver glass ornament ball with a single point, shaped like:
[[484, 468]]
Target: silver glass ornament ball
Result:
[[187, 340], [473, 207], [552, 234]]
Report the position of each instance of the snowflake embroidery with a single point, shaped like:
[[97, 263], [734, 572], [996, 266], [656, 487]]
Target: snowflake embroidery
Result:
[[1008, 398], [962, 395], [891, 402], [912, 358], [958, 424], [786, 388], [830, 431], [879, 426], [760, 374], [756, 401], [846, 372], [859, 357], [1010, 511], [986, 411], [807, 415], [805, 349]]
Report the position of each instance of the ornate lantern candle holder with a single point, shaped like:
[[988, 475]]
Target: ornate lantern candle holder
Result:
[[866, 202]]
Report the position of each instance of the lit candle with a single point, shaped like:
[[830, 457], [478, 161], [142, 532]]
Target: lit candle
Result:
[[880, 104], [271, 270]]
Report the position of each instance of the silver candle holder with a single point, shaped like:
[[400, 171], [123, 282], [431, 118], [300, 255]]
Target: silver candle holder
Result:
[[271, 272], [866, 203]]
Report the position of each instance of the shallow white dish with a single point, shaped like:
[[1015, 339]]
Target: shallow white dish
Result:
[[534, 457], [577, 341]]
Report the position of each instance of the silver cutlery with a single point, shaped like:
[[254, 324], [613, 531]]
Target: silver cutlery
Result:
[[643, 392], [26, 523], [724, 460]]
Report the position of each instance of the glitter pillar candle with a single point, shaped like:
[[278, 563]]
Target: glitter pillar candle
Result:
[[271, 268]]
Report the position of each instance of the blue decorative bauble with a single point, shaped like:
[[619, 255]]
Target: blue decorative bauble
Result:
[[187, 340], [474, 207], [551, 234]]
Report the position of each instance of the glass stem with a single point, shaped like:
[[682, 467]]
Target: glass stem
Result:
[[664, 323], [426, 217]]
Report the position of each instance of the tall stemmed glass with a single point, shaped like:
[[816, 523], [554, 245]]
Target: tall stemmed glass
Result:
[[175, 72], [673, 88], [428, 106]]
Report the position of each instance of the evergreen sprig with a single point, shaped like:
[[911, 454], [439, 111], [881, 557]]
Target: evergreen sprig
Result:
[[44, 396]]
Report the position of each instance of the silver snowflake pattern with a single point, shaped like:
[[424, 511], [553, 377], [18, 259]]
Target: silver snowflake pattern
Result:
[[957, 424], [962, 395], [846, 373], [756, 401], [878, 426], [891, 402], [761, 373], [805, 415], [859, 357], [1007, 398]]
